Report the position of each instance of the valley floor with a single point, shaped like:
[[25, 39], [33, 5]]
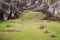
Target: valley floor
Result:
[[28, 28]]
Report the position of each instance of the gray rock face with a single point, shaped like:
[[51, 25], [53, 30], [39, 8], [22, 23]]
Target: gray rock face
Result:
[[57, 8], [50, 9]]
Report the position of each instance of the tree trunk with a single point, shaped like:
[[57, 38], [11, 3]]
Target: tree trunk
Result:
[[53, 11]]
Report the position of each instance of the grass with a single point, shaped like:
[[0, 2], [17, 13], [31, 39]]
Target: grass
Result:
[[29, 25]]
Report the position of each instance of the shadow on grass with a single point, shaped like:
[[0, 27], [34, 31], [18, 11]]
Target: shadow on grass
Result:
[[10, 30]]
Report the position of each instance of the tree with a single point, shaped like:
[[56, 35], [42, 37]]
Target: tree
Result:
[[54, 7]]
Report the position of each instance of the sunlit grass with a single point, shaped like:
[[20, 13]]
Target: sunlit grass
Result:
[[29, 28]]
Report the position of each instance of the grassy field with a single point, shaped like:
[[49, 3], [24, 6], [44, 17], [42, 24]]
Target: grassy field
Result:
[[27, 27]]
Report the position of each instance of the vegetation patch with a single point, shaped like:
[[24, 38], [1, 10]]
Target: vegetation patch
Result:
[[8, 25], [42, 26], [46, 31], [10, 30], [19, 29], [53, 36]]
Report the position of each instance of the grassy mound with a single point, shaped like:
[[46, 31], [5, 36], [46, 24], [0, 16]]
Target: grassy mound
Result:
[[29, 15]]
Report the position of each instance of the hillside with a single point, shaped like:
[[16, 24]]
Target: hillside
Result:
[[29, 15], [27, 27]]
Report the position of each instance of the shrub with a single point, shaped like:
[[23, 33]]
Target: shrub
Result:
[[53, 35], [8, 25], [42, 27], [46, 31]]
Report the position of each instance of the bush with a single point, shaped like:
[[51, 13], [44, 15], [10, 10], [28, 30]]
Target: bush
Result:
[[42, 27], [46, 31], [53, 35], [8, 25]]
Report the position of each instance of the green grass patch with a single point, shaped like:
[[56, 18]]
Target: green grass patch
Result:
[[29, 25]]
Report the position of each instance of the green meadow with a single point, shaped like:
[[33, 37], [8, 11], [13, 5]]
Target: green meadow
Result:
[[27, 27]]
